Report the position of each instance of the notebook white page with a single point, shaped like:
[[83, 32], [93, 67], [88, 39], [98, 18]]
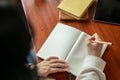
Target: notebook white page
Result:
[[59, 42], [77, 54]]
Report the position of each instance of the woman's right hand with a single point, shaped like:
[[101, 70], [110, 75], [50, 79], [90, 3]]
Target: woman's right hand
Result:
[[94, 49]]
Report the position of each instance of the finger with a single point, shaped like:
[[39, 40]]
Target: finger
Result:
[[97, 37], [57, 61], [93, 38], [43, 63], [90, 39], [47, 78], [54, 70], [50, 58], [59, 65], [50, 78]]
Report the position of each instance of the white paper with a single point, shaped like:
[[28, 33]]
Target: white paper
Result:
[[77, 54], [59, 42]]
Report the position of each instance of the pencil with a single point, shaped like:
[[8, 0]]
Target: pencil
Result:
[[103, 42]]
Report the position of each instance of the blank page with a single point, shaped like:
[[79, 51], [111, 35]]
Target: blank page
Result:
[[59, 42]]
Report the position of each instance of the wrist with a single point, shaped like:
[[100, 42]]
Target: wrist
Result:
[[34, 71], [93, 61], [95, 54], [32, 68]]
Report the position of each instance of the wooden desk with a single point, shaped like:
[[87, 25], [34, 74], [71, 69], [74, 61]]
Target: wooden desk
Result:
[[43, 16]]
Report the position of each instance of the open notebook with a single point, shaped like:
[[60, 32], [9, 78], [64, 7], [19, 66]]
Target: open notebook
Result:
[[68, 44]]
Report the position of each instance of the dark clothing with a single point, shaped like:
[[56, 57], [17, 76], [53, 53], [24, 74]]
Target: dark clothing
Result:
[[15, 42]]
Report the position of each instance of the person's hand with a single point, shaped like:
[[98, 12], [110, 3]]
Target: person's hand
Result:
[[94, 48], [51, 65], [46, 78]]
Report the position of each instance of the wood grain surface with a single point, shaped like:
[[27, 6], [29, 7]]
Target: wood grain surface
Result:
[[43, 16]]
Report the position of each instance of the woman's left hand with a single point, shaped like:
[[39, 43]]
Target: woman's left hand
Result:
[[51, 65]]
